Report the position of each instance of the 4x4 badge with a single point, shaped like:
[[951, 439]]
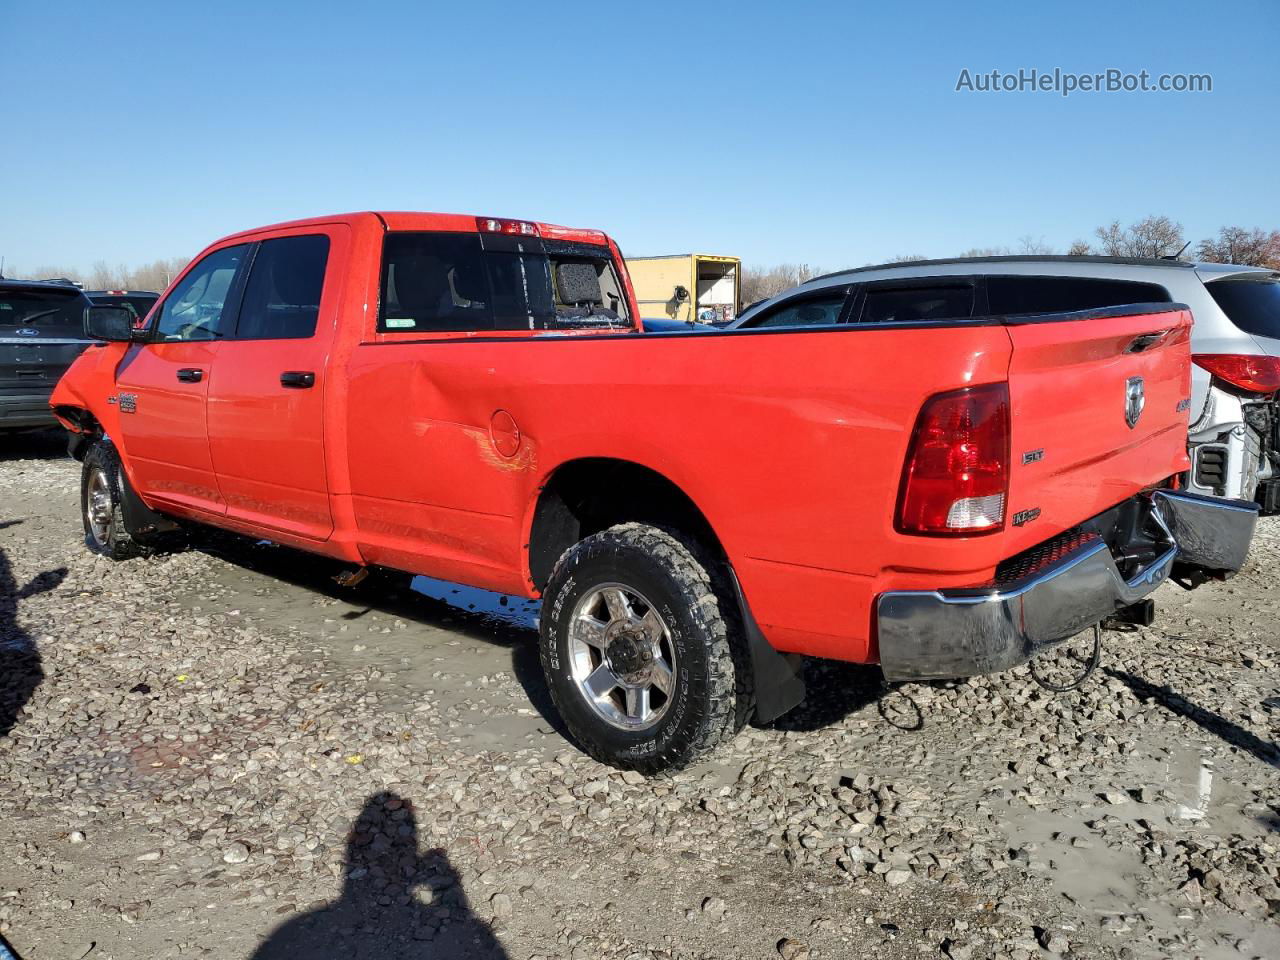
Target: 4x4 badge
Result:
[[1135, 399]]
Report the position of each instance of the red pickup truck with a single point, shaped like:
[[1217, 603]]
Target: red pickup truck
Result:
[[474, 399]]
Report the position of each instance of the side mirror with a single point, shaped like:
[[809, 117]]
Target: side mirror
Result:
[[682, 294], [108, 323]]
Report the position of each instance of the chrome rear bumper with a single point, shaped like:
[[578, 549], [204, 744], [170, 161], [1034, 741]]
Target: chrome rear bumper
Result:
[[935, 634]]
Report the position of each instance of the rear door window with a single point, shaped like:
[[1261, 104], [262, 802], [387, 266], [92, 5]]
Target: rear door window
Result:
[[282, 296], [434, 282], [890, 303], [1252, 305], [196, 309], [1017, 295]]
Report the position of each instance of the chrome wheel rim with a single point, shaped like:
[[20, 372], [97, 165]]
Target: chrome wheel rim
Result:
[[621, 656], [98, 506]]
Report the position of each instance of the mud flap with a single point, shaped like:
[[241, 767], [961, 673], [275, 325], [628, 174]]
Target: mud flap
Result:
[[77, 446], [779, 677], [139, 519]]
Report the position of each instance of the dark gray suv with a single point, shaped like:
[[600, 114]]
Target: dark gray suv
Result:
[[41, 332]]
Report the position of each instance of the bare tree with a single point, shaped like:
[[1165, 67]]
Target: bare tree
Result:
[[761, 283], [1079, 248], [48, 272], [155, 276], [1153, 236], [103, 277], [1250, 248], [1030, 246]]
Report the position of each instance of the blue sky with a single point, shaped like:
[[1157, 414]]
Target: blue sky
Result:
[[828, 134]]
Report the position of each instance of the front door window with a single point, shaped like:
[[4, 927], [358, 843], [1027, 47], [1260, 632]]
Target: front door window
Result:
[[197, 307]]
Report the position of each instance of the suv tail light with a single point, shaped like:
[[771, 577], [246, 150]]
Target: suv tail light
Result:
[[1248, 372], [518, 227], [956, 478]]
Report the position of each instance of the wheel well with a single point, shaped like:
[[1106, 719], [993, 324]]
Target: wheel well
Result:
[[586, 496], [78, 417], [82, 424]]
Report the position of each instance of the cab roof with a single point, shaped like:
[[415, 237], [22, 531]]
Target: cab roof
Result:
[[407, 220]]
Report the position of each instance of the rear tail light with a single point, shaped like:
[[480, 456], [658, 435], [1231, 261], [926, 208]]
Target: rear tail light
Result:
[[1248, 372], [519, 227], [956, 478]]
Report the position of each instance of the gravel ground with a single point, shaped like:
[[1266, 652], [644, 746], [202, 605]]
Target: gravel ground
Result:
[[223, 753]]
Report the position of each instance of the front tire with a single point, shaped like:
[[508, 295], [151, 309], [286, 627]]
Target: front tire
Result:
[[101, 479], [637, 650]]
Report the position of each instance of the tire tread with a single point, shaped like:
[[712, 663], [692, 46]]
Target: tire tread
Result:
[[121, 544], [684, 561]]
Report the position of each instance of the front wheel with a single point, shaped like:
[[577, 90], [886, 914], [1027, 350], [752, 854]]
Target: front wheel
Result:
[[637, 650], [101, 480]]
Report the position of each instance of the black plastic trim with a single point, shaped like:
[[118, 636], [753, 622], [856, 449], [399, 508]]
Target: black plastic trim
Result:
[[629, 335], [779, 677], [138, 517]]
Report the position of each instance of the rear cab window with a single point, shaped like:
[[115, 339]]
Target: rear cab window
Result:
[[1021, 294], [441, 282], [1252, 305]]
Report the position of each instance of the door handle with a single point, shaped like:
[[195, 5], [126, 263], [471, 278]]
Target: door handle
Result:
[[190, 374], [300, 379]]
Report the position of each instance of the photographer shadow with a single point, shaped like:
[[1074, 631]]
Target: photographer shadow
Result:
[[21, 669], [378, 916]]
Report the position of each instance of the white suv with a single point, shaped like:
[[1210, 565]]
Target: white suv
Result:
[[1235, 394]]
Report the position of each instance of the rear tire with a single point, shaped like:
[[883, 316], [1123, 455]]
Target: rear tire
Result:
[[105, 532], [638, 652]]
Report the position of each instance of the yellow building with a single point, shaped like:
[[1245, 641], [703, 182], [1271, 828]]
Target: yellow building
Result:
[[687, 286]]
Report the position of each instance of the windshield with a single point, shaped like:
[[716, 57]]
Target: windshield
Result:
[[1252, 305], [42, 309]]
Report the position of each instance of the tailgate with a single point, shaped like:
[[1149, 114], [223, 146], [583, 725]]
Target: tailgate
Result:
[[1099, 404]]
